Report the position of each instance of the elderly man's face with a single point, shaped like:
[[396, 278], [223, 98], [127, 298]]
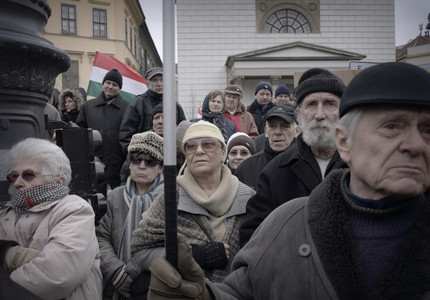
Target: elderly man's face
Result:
[[231, 101], [157, 123], [389, 154], [156, 83], [318, 117], [280, 133]]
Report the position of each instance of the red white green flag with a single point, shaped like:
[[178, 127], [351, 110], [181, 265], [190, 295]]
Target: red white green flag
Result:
[[132, 82]]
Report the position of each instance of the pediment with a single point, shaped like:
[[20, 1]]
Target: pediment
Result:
[[294, 51]]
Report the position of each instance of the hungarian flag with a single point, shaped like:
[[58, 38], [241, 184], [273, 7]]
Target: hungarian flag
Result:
[[132, 82]]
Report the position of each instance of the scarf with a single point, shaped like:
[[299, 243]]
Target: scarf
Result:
[[21, 201], [220, 202], [260, 108], [138, 204], [218, 120]]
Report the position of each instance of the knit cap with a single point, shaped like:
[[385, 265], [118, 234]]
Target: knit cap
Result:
[[180, 133], [233, 89], [318, 80], [390, 83], [203, 129], [115, 76], [241, 139], [157, 109], [147, 142], [263, 85], [282, 89]]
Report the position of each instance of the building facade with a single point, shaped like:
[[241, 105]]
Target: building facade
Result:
[[241, 42], [113, 27]]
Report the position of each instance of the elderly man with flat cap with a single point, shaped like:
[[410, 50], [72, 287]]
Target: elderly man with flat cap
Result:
[[105, 113], [364, 232], [138, 117]]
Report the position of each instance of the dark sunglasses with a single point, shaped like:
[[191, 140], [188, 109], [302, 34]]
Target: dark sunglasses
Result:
[[27, 175], [207, 145], [149, 162]]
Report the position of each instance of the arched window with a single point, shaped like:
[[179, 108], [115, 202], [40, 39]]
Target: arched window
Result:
[[287, 21]]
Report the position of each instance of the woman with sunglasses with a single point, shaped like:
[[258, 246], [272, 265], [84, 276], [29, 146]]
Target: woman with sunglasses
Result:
[[125, 206], [211, 205], [52, 248]]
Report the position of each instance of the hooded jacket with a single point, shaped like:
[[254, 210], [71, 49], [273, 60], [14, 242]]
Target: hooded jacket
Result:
[[226, 126], [73, 114]]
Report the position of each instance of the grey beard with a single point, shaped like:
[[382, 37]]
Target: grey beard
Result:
[[320, 138]]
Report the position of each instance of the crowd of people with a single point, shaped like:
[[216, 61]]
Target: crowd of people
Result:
[[319, 193]]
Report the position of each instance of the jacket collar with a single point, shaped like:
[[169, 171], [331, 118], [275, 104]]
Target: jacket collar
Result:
[[407, 276], [100, 100]]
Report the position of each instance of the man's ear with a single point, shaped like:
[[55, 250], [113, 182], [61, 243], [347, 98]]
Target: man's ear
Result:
[[265, 130], [343, 142], [298, 131]]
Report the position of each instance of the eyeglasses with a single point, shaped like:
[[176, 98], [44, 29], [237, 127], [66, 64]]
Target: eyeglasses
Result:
[[242, 153], [149, 162], [27, 175], [207, 145]]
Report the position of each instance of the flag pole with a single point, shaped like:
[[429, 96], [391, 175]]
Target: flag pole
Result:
[[169, 116]]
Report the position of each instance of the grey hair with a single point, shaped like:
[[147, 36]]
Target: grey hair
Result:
[[52, 158], [350, 120]]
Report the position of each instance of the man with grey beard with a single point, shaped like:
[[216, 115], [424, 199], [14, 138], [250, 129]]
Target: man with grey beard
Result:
[[299, 169]]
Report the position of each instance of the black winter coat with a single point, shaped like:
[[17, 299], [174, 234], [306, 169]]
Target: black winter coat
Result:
[[293, 174], [250, 169], [71, 116], [106, 118], [138, 117], [258, 116]]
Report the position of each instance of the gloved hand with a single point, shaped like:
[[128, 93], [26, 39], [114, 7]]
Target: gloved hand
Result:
[[121, 281], [210, 256], [15, 256], [167, 283]]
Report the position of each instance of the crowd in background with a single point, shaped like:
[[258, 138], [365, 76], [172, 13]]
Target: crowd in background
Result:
[[239, 171]]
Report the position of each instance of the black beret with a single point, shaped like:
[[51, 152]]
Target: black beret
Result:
[[390, 83]]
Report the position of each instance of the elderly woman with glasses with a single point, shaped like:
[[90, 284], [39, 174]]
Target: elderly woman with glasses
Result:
[[48, 237], [125, 206], [211, 205]]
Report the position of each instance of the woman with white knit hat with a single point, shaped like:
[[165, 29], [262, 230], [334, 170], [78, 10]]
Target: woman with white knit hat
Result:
[[125, 206], [211, 205], [239, 147]]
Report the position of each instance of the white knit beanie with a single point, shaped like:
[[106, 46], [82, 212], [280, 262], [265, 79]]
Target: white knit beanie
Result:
[[203, 129]]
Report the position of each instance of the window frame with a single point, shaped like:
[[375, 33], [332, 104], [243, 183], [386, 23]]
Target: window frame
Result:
[[99, 23], [68, 20]]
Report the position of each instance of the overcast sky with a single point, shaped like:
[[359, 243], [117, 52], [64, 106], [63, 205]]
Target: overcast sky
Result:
[[408, 15]]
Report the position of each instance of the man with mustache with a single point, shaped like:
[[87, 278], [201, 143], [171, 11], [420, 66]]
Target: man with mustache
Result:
[[299, 169]]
